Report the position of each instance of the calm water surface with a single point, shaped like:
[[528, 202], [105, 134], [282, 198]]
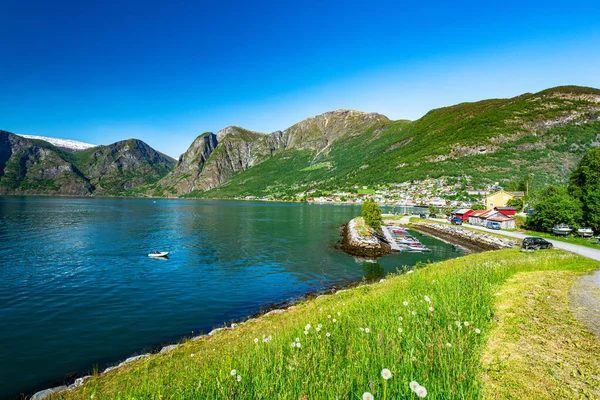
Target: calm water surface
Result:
[[77, 288]]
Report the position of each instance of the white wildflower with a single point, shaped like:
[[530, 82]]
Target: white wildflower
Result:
[[421, 392], [477, 331], [367, 330], [328, 334], [427, 299], [239, 378], [399, 330], [233, 372], [405, 303], [466, 323], [431, 309], [386, 374], [255, 340], [413, 385], [457, 323], [367, 396], [318, 329]]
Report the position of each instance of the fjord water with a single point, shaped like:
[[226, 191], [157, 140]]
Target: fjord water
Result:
[[77, 288]]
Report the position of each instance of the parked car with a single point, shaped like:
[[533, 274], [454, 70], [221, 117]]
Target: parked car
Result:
[[424, 216], [456, 221], [432, 215], [536, 243], [493, 225]]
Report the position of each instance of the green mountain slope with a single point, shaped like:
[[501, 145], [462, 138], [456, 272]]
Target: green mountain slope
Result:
[[499, 140], [31, 166]]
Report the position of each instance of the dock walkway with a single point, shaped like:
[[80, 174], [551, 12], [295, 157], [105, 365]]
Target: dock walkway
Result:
[[388, 235]]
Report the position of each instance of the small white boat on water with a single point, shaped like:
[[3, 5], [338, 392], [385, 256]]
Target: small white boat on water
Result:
[[158, 254], [561, 230]]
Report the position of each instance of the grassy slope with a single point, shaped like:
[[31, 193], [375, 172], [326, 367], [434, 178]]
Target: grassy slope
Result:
[[406, 151], [430, 349], [538, 340]]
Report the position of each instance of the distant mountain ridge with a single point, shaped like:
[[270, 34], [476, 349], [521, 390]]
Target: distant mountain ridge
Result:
[[34, 166], [537, 134]]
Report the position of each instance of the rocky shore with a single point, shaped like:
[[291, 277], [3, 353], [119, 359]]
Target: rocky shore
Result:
[[474, 241], [363, 245]]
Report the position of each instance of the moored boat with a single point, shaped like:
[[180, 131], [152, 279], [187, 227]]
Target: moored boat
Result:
[[585, 232]]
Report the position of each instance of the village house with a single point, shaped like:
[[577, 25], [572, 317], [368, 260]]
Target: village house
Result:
[[500, 198], [482, 217]]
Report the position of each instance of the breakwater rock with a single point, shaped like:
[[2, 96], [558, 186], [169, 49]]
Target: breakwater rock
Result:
[[357, 240], [475, 241]]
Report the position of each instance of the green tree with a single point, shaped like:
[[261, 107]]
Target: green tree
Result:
[[372, 214], [516, 203], [477, 207], [555, 207], [584, 185]]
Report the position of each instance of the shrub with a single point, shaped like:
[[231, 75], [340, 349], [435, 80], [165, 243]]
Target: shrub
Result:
[[371, 214]]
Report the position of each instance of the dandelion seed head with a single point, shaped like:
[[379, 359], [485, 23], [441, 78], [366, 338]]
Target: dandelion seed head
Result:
[[466, 323], [362, 329], [306, 332], [255, 340], [367, 330], [399, 330], [239, 378], [293, 344], [448, 345], [328, 334], [386, 374], [307, 327], [431, 309], [413, 385], [477, 331], [414, 313], [400, 319], [334, 320], [367, 396], [405, 303], [427, 299], [339, 313], [421, 392], [298, 345], [329, 316], [233, 372], [297, 339]]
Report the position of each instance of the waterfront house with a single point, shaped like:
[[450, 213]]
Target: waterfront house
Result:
[[508, 211], [500, 198], [462, 213], [477, 217], [505, 222]]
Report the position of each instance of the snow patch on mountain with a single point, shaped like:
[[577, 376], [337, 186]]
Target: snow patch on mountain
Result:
[[62, 143]]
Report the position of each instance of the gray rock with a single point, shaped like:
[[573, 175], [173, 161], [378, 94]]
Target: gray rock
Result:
[[42, 394], [169, 348]]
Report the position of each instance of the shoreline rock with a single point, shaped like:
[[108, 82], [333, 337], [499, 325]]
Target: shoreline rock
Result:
[[355, 244], [474, 241]]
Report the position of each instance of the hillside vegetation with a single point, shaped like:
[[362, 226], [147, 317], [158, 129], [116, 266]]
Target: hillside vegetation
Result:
[[432, 326], [542, 135]]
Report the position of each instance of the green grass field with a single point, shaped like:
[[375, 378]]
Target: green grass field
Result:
[[431, 326]]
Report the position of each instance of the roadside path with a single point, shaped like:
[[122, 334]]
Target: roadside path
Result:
[[585, 293]]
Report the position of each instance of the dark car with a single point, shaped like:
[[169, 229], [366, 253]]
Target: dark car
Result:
[[536, 243], [432, 215], [424, 216], [456, 221]]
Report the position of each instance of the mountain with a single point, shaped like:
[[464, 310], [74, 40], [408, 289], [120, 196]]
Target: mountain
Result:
[[33, 166], [540, 135], [234, 150], [498, 140]]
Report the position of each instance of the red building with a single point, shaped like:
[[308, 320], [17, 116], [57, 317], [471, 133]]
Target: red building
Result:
[[462, 213], [508, 211]]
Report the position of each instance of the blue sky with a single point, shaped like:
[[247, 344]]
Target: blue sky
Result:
[[165, 72]]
